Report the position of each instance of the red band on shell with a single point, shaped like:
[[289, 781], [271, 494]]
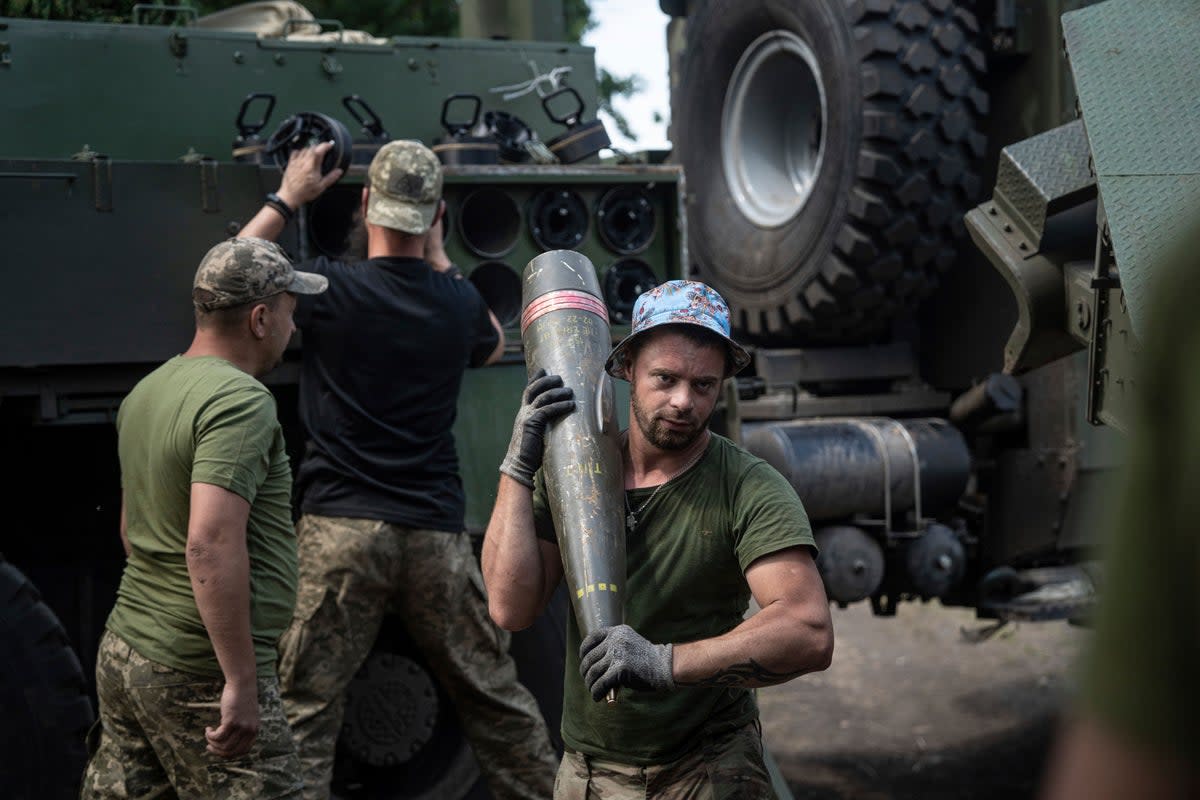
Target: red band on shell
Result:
[[562, 300]]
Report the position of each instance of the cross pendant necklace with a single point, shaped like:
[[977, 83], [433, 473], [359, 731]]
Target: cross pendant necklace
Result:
[[631, 518]]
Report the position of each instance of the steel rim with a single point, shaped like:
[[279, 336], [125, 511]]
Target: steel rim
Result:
[[772, 128]]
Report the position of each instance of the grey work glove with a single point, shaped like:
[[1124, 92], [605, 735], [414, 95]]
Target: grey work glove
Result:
[[620, 656], [545, 399]]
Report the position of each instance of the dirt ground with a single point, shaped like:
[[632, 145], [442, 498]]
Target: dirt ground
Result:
[[911, 708]]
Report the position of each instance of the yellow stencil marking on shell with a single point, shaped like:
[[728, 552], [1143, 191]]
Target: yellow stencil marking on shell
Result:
[[596, 587]]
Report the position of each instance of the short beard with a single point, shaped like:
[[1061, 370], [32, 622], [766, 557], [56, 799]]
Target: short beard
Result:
[[659, 435]]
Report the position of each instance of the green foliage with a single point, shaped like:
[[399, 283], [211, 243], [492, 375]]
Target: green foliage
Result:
[[80, 10], [378, 17], [609, 88], [578, 17]]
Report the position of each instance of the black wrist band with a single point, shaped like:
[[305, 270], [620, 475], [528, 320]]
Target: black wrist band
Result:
[[276, 202], [453, 271]]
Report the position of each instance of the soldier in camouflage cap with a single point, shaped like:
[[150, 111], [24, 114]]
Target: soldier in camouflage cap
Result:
[[186, 673], [382, 525], [240, 271], [406, 186]]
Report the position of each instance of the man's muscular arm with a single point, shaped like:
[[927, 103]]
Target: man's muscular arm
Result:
[[791, 635], [520, 570]]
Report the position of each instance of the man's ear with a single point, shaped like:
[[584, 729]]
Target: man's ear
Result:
[[363, 203], [440, 213], [258, 320]]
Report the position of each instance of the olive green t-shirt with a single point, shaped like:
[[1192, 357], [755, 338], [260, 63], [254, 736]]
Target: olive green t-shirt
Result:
[[685, 582], [201, 420], [1142, 674]]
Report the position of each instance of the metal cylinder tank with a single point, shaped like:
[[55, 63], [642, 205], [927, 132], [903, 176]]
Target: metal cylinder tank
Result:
[[841, 467], [851, 563]]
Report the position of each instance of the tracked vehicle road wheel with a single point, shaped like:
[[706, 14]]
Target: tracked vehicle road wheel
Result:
[[830, 150], [42, 691], [401, 738]]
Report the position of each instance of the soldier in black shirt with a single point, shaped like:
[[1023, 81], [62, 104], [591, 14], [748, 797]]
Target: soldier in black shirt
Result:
[[382, 525]]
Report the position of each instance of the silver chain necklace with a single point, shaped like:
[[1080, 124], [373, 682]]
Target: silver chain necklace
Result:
[[631, 518]]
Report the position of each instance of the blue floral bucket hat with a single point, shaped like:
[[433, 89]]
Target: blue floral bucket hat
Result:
[[675, 303]]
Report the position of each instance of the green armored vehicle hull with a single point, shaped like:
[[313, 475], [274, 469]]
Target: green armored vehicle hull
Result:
[[128, 152]]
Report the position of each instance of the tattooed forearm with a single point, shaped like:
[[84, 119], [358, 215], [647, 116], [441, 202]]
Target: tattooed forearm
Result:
[[748, 673]]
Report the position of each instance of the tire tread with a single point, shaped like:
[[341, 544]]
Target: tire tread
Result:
[[48, 711], [920, 80], [914, 171]]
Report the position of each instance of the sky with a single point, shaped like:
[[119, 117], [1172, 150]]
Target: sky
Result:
[[631, 37]]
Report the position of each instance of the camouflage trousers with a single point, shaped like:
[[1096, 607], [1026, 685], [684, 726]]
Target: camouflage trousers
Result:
[[353, 572], [151, 736], [727, 766]]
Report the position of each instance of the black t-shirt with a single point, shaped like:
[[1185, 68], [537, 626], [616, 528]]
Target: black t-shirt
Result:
[[384, 352]]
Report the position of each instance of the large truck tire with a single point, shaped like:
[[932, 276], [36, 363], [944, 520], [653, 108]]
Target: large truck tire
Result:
[[46, 709], [830, 149]]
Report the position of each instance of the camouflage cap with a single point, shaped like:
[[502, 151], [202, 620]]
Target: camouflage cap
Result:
[[406, 185], [239, 271]]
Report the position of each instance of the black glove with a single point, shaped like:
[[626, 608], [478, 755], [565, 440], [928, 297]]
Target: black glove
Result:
[[620, 656], [545, 399]]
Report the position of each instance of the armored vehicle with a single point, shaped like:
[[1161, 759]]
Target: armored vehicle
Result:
[[131, 149], [919, 370]]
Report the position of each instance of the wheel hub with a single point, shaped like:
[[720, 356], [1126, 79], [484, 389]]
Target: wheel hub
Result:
[[772, 128], [391, 709]]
